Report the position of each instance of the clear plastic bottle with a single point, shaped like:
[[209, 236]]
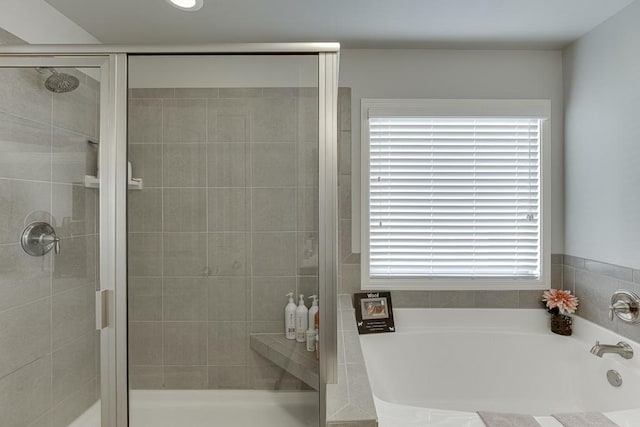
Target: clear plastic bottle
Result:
[[290, 318], [302, 320]]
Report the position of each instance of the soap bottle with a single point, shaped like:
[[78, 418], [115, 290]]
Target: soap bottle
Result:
[[290, 318], [311, 339], [302, 321], [312, 311]]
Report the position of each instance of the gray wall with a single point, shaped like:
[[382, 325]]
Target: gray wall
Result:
[[217, 236], [602, 91], [602, 153], [48, 344]]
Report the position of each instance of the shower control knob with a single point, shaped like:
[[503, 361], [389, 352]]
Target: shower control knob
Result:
[[39, 238], [625, 305]]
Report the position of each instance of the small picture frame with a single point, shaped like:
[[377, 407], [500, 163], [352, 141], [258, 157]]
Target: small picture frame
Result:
[[374, 312]]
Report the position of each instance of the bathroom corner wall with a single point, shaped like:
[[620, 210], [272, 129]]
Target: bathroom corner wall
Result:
[[48, 343], [225, 227], [602, 151]]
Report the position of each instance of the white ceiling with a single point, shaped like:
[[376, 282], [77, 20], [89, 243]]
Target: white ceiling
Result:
[[528, 24]]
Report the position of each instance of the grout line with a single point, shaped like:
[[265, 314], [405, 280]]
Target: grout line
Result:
[[162, 245]]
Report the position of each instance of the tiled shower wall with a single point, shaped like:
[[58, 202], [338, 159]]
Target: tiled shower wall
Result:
[[48, 343], [225, 226]]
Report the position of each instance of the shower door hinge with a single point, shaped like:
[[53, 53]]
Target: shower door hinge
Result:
[[102, 309]]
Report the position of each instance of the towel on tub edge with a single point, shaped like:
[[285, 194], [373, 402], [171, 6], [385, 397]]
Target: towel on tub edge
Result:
[[497, 419], [584, 419]]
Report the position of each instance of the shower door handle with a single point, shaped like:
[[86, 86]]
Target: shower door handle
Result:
[[102, 309]]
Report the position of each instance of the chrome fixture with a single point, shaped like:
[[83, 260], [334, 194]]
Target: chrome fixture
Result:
[[59, 82], [622, 348], [626, 305], [39, 238], [614, 378]]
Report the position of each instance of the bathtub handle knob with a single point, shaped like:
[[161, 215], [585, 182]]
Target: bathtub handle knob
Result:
[[626, 306]]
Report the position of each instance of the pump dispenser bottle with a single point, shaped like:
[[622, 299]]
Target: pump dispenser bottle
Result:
[[313, 310], [302, 321], [290, 318]]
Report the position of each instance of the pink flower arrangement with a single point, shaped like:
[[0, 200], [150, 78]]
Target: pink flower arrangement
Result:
[[560, 301]]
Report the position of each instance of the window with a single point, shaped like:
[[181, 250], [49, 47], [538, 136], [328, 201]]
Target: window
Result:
[[454, 194]]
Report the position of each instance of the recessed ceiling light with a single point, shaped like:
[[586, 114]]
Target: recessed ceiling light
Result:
[[189, 5]]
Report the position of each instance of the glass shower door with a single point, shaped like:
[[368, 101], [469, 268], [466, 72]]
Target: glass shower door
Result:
[[49, 243], [223, 225]]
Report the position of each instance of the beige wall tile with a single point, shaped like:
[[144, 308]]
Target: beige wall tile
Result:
[[274, 254], [75, 265], [146, 377], [227, 377], [146, 163], [227, 164], [228, 209], [144, 254], [274, 119], [273, 165], [73, 157], [185, 254], [24, 335], [227, 343], [25, 394], [145, 120], [66, 412], [25, 152], [74, 209], [22, 278], [145, 343], [20, 200], [77, 110], [184, 298], [228, 254], [184, 209], [185, 377], [273, 209], [184, 120], [228, 298], [228, 120], [144, 210], [269, 297], [307, 165], [144, 298], [184, 165], [73, 365], [22, 93], [73, 315], [185, 343]]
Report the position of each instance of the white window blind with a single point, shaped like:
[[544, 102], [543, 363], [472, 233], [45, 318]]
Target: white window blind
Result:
[[454, 197]]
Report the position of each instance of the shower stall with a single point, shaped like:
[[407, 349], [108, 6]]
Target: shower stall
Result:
[[157, 206]]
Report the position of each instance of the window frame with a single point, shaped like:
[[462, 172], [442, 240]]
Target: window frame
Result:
[[521, 108]]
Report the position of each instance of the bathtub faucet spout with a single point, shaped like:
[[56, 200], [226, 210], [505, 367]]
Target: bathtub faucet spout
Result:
[[622, 348]]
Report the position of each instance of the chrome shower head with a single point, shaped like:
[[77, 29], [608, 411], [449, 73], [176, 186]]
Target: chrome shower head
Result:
[[60, 82]]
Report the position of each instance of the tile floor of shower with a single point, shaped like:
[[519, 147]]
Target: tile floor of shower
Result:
[[229, 408]]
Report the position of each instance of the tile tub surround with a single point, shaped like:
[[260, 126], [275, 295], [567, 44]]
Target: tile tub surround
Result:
[[594, 282], [350, 401], [48, 346], [225, 226]]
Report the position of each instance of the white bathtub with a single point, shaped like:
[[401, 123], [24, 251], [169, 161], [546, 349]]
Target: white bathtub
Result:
[[443, 365]]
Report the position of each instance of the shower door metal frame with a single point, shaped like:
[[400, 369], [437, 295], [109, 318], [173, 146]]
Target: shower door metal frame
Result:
[[108, 264], [112, 61]]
